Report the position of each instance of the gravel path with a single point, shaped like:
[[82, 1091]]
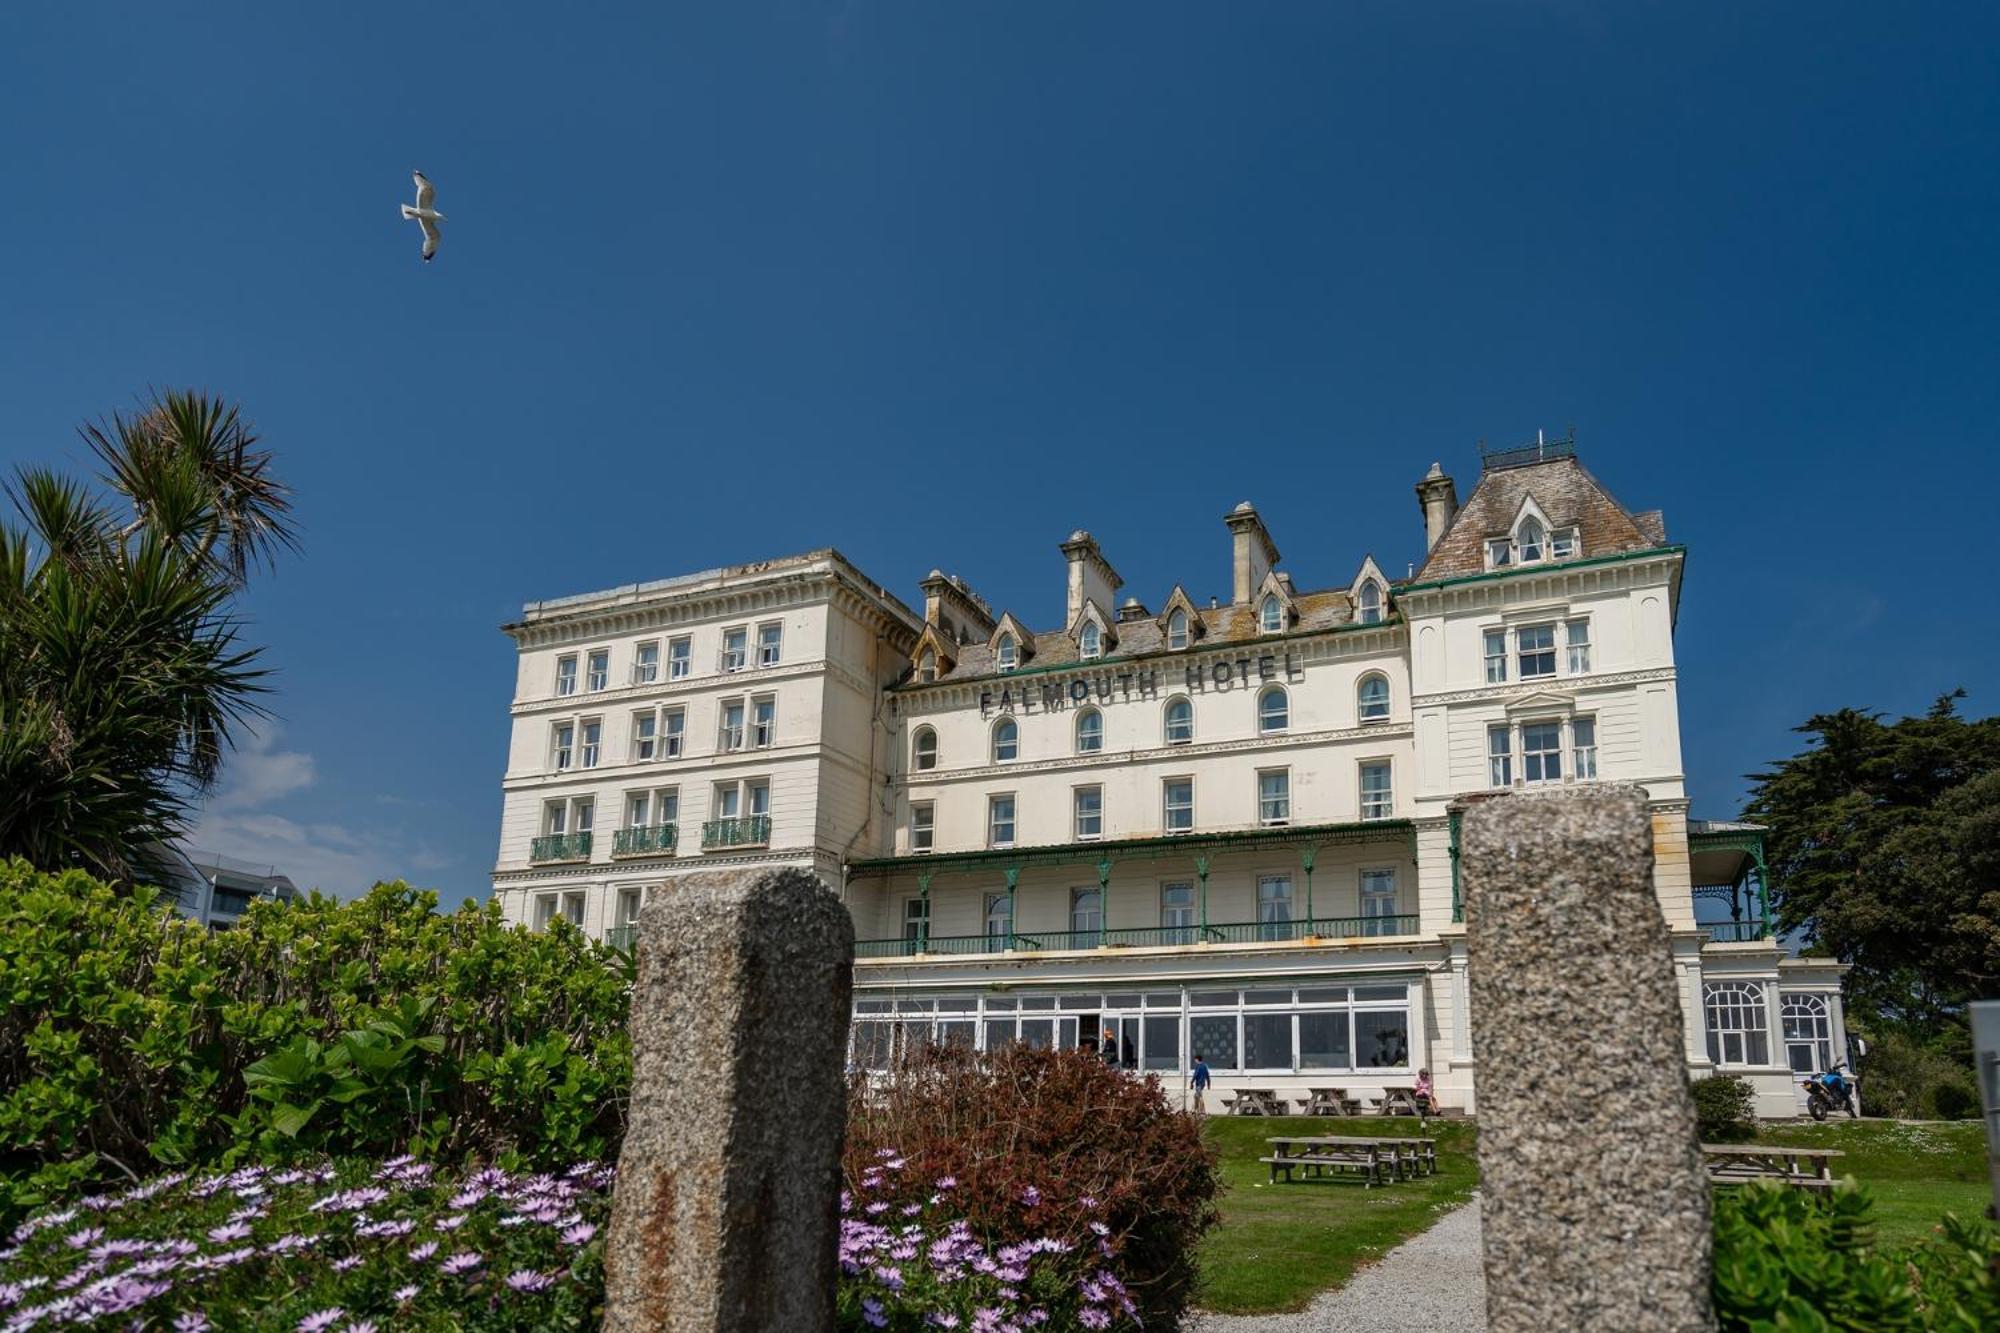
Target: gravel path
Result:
[[1429, 1284]]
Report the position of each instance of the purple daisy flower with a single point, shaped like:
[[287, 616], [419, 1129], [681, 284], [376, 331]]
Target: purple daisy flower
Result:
[[579, 1234], [462, 1262], [321, 1320], [531, 1281]]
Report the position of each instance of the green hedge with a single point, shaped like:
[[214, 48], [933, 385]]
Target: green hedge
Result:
[[132, 1039]]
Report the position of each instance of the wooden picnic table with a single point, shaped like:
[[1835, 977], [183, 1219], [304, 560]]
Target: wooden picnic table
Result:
[[1330, 1101], [1255, 1101], [1395, 1157], [1396, 1100], [1741, 1163]]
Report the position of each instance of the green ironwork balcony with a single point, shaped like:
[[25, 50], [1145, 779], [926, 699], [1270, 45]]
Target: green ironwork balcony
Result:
[[1735, 932], [1151, 937], [560, 847], [749, 831], [622, 938], [652, 839]]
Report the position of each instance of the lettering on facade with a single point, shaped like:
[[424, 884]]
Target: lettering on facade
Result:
[[1219, 676]]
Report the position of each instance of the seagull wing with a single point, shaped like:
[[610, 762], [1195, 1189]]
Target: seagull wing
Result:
[[426, 192], [430, 238]]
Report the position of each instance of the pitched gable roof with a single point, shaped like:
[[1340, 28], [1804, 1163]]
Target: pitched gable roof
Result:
[[1563, 490]]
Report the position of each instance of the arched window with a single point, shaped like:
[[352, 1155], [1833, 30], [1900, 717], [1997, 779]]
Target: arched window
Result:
[[1006, 740], [1371, 603], [1371, 699], [1091, 642], [927, 667], [1531, 539], [1089, 731], [924, 750], [1274, 710], [1808, 1029], [1180, 722], [1177, 629], [1271, 616], [1739, 1030], [1009, 653]]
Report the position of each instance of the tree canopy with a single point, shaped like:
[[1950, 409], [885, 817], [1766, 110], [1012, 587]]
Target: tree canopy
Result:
[[121, 671], [1885, 850]]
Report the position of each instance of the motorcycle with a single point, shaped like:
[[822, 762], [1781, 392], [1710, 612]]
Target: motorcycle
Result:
[[1830, 1091]]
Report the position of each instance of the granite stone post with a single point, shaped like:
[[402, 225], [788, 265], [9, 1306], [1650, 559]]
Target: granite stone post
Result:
[[1594, 1198], [725, 1216]]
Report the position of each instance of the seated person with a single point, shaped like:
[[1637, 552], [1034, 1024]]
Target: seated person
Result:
[[1425, 1094]]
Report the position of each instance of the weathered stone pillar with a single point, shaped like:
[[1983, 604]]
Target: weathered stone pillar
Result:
[[1595, 1201], [727, 1208]]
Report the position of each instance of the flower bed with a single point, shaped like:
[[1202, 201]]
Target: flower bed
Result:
[[317, 1249]]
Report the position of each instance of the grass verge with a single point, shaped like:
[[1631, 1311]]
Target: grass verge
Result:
[[1280, 1245], [1917, 1172]]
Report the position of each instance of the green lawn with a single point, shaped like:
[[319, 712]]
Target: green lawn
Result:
[[1281, 1245], [1917, 1172]]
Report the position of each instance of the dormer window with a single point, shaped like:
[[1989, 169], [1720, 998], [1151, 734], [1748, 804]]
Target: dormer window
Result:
[[1177, 629], [1009, 653], [1371, 603], [927, 667], [1562, 544], [1532, 540], [1500, 553], [1091, 642], [1271, 616]]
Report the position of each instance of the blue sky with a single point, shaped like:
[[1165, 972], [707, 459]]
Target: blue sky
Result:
[[937, 283]]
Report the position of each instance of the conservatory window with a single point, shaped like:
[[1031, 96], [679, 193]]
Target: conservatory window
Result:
[[1738, 1026], [1808, 1031]]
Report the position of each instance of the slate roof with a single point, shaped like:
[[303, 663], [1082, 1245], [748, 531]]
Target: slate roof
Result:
[[1329, 609], [1565, 491]]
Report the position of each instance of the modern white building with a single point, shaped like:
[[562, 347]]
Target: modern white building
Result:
[[1198, 827]]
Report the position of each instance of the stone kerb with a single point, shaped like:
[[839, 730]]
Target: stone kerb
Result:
[[1595, 1202], [725, 1215]]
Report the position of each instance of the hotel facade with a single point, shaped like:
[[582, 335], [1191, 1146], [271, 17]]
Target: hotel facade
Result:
[[1207, 827]]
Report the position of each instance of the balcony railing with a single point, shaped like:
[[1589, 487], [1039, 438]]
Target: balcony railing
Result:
[[560, 847], [622, 938], [650, 839], [1735, 932], [750, 831], [1151, 937]]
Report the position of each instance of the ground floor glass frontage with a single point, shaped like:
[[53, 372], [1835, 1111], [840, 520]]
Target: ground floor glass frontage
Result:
[[1330, 1025]]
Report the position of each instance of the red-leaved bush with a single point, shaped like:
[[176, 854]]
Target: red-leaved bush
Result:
[[1044, 1143]]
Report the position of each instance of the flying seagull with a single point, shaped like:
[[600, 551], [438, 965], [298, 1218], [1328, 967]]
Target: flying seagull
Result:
[[426, 216]]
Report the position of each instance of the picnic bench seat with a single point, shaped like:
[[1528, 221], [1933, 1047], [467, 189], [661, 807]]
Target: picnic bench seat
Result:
[[1384, 1159], [1745, 1163]]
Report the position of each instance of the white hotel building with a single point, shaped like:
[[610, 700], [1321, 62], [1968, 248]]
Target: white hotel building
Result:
[[1224, 828]]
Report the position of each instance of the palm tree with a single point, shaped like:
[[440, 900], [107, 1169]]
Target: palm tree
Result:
[[121, 672]]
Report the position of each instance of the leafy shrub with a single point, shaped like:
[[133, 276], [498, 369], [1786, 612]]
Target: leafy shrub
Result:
[[1786, 1260], [1909, 1078], [1045, 1144], [1724, 1108], [132, 1039], [365, 1247]]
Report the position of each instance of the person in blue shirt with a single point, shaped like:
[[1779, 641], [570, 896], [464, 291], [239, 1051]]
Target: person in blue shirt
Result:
[[1198, 1076]]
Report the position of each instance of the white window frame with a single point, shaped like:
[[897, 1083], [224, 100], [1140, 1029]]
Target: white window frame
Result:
[[562, 745], [645, 735], [597, 670], [643, 671], [1374, 899], [1271, 614], [1521, 651], [1494, 646], [1370, 608], [1499, 552], [1737, 1017], [1086, 909], [916, 919], [770, 651], [1548, 759], [927, 667], [994, 821], [1092, 741], [924, 759], [1271, 925], [673, 732], [566, 675], [1177, 629], [1362, 704], [1576, 646], [737, 657], [1383, 802], [1265, 713], [1087, 824], [589, 741], [1170, 913], [1000, 909], [1007, 736], [1563, 543], [730, 737], [763, 721], [1090, 641], [555, 818], [680, 658], [1274, 811], [639, 809], [1500, 762], [1007, 652], [923, 826], [1167, 721], [1531, 540], [1169, 806], [1583, 757]]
